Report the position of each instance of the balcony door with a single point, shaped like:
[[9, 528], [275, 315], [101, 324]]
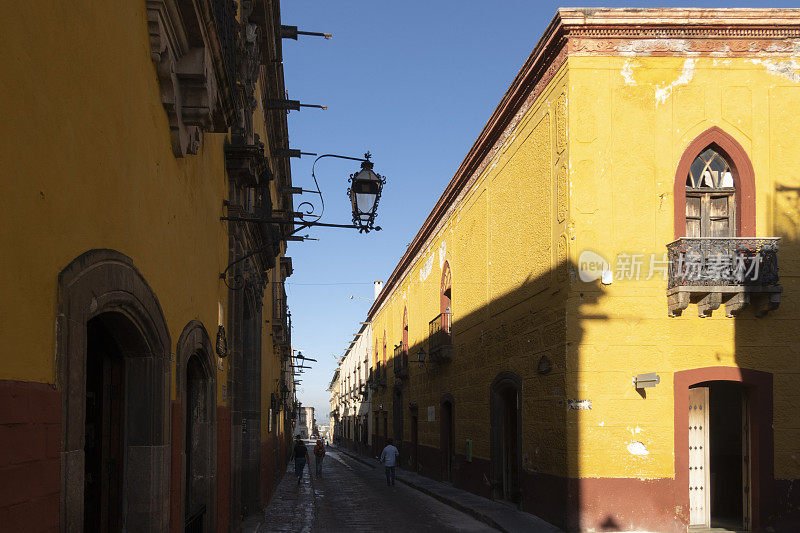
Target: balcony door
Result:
[[710, 197]]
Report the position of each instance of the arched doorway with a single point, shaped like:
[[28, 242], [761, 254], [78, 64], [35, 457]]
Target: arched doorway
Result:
[[724, 453], [447, 438], [113, 372], [196, 385], [104, 448], [506, 436]]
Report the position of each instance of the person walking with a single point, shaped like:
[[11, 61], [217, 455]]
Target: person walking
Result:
[[389, 457], [319, 455], [300, 455]]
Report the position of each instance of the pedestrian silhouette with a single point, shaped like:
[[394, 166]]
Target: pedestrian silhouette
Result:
[[300, 455], [389, 459], [319, 455]]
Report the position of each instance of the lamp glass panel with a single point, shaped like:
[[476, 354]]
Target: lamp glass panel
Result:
[[365, 191]]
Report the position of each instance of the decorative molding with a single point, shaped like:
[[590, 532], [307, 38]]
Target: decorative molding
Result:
[[191, 88]]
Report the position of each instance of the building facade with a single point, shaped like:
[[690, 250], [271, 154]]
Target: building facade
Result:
[[144, 381], [606, 340], [354, 407], [335, 429], [306, 423]]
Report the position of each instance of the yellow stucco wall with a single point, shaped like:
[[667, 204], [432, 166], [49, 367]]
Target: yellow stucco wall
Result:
[[501, 242], [630, 119], [87, 163], [601, 180]]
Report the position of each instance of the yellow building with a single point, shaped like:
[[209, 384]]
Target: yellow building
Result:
[[637, 173], [144, 325]]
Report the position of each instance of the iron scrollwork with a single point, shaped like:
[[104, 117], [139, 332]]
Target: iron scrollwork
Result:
[[731, 261]]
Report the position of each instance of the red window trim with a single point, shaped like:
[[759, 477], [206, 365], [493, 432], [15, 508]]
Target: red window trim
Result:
[[743, 178]]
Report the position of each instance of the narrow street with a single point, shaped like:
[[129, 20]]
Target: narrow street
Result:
[[354, 497]]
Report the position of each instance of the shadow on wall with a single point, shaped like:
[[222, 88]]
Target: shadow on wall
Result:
[[501, 418], [769, 343]]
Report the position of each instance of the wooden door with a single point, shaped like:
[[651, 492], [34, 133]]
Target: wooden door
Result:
[[699, 472], [104, 437]]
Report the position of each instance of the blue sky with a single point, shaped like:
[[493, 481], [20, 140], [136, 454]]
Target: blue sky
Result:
[[414, 83]]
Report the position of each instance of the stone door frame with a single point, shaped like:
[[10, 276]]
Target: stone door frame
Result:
[[194, 340], [98, 282]]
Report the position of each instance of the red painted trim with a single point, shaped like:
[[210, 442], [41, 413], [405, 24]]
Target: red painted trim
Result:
[[759, 385], [743, 177], [30, 456], [444, 301]]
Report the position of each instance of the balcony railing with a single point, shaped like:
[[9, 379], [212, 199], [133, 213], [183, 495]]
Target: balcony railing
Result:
[[712, 271], [400, 361], [440, 339]]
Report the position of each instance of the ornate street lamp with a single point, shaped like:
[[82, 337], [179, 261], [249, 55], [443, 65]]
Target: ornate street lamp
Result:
[[365, 193]]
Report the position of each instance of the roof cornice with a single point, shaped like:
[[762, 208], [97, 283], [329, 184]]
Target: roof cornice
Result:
[[606, 31]]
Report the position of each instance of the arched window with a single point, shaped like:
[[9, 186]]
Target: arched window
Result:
[[714, 188], [710, 197], [405, 336], [446, 299]]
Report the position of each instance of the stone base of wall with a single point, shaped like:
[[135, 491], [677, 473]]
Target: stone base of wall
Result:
[[267, 470], [30, 456], [223, 469]]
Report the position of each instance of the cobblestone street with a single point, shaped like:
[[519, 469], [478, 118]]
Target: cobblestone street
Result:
[[354, 497]]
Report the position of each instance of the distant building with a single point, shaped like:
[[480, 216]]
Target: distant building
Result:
[[335, 415], [354, 377], [306, 424]]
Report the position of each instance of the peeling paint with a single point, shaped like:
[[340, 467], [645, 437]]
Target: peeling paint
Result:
[[786, 69], [687, 73], [627, 71], [637, 448], [579, 405], [442, 252], [426, 268]]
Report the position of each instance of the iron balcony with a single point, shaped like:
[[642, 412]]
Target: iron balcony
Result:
[[712, 271], [440, 338]]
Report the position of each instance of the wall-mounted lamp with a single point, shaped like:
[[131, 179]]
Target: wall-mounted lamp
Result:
[[222, 341], [365, 193], [645, 381], [421, 355], [291, 32], [275, 103]]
